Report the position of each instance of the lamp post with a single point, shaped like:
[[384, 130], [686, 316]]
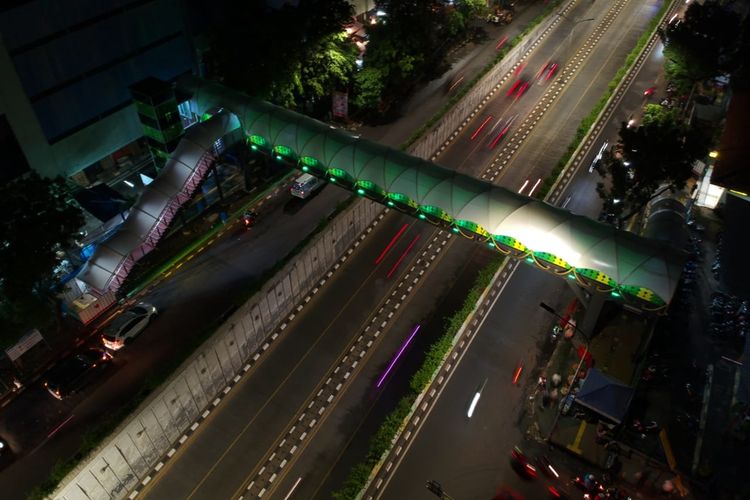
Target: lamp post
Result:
[[575, 22], [550, 310]]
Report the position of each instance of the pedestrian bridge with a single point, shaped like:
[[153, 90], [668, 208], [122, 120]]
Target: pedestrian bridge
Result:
[[641, 271]]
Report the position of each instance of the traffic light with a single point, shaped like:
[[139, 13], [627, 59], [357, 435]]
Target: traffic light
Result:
[[435, 487]]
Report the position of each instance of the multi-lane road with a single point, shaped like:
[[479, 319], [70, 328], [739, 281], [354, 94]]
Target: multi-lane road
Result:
[[472, 460], [223, 459], [42, 431], [233, 455]]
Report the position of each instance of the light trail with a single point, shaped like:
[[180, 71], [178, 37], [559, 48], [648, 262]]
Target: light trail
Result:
[[501, 42], [536, 185], [294, 487], [393, 240], [393, 269], [484, 124], [398, 355], [475, 399]]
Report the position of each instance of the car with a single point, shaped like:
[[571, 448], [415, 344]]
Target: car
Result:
[[3, 447], [649, 91], [521, 464], [598, 157], [521, 89], [547, 71], [305, 185], [75, 372], [127, 326]]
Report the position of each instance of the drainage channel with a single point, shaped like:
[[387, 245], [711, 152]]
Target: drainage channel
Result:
[[313, 412], [553, 91]]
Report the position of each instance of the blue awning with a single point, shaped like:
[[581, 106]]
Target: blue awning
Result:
[[605, 396]]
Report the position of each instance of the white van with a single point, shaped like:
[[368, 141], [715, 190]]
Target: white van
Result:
[[304, 185]]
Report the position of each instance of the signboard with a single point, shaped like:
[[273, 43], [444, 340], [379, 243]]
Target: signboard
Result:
[[340, 104], [27, 342]]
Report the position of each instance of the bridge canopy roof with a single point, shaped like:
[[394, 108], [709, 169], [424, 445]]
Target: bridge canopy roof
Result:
[[570, 243]]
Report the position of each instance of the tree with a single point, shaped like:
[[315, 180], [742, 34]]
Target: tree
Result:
[[473, 8], [368, 86], [659, 153], [703, 44], [291, 56], [38, 222], [404, 44]]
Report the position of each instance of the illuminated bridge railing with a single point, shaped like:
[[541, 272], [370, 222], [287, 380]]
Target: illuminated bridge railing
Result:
[[595, 255]]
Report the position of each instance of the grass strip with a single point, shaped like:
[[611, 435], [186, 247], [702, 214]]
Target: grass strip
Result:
[[585, 126], [384, 437]]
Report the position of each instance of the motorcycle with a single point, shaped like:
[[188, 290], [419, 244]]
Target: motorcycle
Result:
[[248, 218], [645, 428], [521, 464], [588, 484]]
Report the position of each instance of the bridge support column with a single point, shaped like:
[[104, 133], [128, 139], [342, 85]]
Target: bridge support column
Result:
[[580, 292], [593, 310]]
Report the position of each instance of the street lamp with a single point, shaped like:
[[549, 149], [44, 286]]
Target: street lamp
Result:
[[550, 310], [575, 22]]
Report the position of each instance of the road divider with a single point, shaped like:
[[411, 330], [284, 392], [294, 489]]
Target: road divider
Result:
[[383, 441], [556, 181]]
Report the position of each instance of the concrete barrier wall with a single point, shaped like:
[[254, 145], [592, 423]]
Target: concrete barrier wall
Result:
[[431, 142], [131, 453]]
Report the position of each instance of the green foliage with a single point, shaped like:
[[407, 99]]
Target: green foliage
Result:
[[473, 8], [39, 224], [383, 438], [590, 119], [455, 23], [470, 85], [660, 152], [293, 56], [369, 84], [705, 43]]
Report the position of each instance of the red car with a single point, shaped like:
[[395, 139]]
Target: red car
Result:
[[513, 88], [547, 71], [649, 91], [521, 464], [521, 89]]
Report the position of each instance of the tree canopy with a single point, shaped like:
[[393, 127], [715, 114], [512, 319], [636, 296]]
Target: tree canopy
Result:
[[292, 56], [408, 45], [703, 44], [658, 153], [37, 223]]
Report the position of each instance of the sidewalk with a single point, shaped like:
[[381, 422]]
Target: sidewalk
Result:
[[615, 348]]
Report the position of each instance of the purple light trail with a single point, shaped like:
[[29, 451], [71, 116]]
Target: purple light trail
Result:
[[400, 352]]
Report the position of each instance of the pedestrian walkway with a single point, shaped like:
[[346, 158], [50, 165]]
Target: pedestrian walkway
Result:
[[616, 350]]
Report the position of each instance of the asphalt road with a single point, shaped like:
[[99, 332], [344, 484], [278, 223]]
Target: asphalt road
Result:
[[342, 437], [266, 400], [42, 430], [472, 460]]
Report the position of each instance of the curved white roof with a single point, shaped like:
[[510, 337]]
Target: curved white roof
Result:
[[595, 254], [150, 216]]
